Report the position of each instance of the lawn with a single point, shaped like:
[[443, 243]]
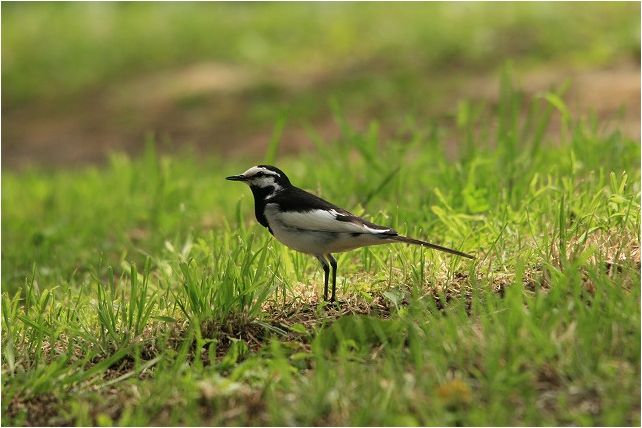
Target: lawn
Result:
[[143, 292], [140, 290]]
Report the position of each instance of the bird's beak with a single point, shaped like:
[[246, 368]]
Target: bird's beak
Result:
[[239, 177]]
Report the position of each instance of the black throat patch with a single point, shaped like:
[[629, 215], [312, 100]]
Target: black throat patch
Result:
[[260, 195]]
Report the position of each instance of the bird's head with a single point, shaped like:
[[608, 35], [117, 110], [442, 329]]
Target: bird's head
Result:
[[263, 177]]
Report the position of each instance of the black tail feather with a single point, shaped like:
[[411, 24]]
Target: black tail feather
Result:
[[407, 240]]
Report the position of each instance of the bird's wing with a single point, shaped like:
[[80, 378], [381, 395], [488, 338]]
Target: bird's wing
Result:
[[305, 211], [327, 221]]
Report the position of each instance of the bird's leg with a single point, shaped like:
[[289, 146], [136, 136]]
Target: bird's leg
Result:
[[326, 271], [333, 263]]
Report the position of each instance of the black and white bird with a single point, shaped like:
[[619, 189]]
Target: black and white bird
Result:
[[311, 225]]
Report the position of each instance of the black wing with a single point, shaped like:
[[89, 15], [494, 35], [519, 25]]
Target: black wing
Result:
[[298, 200]]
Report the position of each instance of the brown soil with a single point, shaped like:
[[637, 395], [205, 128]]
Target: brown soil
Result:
[[205, 105]]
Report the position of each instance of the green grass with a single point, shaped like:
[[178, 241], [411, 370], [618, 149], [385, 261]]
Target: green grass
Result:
[[143, 292], [89, 44]]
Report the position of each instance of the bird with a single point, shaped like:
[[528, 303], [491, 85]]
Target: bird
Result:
[[311, 225]]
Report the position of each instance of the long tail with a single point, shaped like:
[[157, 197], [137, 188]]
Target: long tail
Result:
[[407, 240]]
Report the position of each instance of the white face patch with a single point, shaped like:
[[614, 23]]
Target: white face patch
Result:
[[262, 177], [264, 182]]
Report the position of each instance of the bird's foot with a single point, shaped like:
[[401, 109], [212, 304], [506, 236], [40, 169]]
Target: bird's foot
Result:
[[332, 303]]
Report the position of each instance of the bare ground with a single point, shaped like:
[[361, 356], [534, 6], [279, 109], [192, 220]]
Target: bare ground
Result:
[[206, 106]]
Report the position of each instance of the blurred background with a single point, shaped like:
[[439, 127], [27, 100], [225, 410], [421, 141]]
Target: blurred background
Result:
[[80, 80]]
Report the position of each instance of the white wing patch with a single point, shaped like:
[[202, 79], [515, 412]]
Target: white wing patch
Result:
[[318, 220]]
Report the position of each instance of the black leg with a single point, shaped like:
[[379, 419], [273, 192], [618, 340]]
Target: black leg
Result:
[[333, 263], [326, 271]]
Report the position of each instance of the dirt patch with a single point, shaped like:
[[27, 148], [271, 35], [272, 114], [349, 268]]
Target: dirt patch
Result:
[[612, 94], [41, 410], [208, 106]]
